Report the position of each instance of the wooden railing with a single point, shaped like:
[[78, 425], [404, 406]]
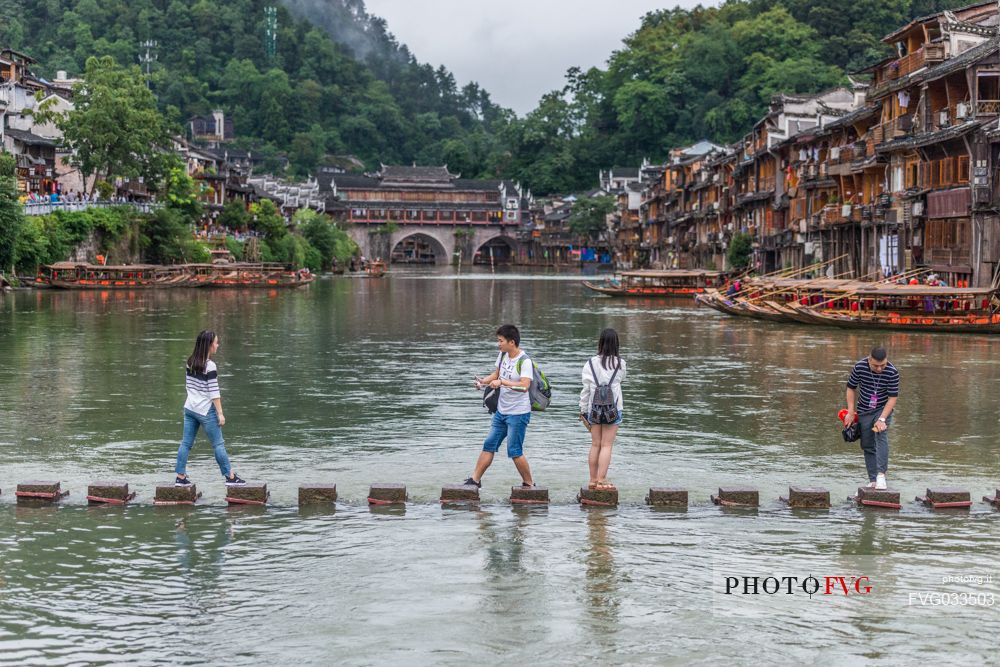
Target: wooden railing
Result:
[[988, 107]]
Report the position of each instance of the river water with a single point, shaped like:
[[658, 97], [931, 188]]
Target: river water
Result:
[[354, 381]]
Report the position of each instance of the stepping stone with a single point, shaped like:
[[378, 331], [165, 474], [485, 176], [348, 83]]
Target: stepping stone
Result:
[[660, 496], [942, 498], [737, 496], [317, 494], [807, 498], [600, 498], [873, 498], [248, 494], [46, 492], [460, 493], [109, 493], [168, 494], [536, 495], [995, 500], [387, 494]]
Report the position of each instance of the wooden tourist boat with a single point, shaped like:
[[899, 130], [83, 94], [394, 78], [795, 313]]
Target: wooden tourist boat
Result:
[[76, 275], [73, 275], [912, 308], [375, 269], [247, 274], [673, 283]]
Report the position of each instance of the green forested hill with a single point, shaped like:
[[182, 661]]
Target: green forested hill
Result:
[[315, 96], [686, 75], [340, 83]]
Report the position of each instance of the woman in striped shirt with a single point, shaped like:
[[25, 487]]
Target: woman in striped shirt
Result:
[[203, 408]]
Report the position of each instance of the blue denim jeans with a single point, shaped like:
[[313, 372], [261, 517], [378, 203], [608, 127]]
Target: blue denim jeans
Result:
[[209, 422], [875, 446], [511, 427]]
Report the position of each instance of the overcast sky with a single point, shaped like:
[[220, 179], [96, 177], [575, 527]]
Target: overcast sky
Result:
[[517, 49]]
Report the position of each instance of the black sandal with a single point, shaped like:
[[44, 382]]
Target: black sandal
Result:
[[525, 485]]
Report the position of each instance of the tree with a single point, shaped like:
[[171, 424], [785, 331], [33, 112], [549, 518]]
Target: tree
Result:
[[167, 239], [268, 220], [114, 129], [234, 215], [589, 217], [740, 250], [331, 242], [181, 194], [11, 213]]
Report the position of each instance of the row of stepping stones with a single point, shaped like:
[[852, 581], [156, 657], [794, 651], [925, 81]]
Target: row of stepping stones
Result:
[[118, 493]]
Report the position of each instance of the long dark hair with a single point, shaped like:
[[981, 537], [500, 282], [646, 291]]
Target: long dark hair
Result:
[[199, 358], [607, 347]]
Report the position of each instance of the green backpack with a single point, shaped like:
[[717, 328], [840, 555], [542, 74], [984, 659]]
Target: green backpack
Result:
[[539, 391]]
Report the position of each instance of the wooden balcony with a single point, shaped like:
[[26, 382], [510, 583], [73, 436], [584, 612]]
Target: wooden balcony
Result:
[[988, 107]]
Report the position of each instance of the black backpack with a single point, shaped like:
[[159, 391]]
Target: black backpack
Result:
[[603, 407]]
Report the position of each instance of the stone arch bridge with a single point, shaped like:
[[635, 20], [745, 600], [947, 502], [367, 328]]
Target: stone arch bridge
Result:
[[446, 240]]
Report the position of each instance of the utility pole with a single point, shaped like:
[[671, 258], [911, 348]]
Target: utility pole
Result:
[[271, 32], [148, 57]]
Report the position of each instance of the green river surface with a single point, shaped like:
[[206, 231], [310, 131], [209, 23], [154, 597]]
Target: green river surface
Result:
[[354, 381]]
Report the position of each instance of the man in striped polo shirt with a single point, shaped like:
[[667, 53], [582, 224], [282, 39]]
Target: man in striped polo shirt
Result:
[[872, 391]]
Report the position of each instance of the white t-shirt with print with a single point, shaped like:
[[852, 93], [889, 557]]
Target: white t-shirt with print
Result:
[[514, 401]]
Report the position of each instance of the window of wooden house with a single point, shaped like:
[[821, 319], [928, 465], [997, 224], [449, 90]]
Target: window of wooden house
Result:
[[963, 169], [912, 175], [446, 216]]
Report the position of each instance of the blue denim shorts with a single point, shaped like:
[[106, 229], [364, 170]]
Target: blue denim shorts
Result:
[[511, 427]]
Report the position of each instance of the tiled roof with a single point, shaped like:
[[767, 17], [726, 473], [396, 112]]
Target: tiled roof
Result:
[[414, 173], [28, 138]]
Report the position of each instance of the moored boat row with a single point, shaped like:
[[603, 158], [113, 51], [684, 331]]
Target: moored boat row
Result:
[[74, 275], [865, 305]]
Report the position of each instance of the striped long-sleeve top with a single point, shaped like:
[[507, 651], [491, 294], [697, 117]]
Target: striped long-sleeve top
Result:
[[874, 389], [202, 388]]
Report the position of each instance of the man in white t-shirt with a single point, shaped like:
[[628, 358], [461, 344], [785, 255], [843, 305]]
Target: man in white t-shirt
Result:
[[512, 376]]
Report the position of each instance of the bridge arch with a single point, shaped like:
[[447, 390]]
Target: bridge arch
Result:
[[419, 247], [500, 247]]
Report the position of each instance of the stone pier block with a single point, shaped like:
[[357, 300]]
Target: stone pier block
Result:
[[387, 494], [109, 493], [535, 495], [168, 494], [600, 497], [808, 497], [737, 496], [317, 494], [873, 498], [661, 496], [994, 500], [248, 494], [46, 492], [459, 493], [943, 497]]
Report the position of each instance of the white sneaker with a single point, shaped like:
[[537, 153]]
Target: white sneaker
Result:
[[870, 485], [880, 482]]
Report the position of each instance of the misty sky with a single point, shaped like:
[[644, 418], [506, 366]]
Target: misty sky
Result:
[[517, 49]]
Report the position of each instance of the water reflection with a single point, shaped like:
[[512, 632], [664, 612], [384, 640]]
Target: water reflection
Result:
[[602, 585]]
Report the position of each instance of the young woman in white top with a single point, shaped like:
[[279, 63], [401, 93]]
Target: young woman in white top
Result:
[[607, 368], [203, 409]]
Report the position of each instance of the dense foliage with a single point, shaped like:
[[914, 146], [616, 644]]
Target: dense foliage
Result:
[[315, 97], [11, 215], [340, 84], [686, 75]]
